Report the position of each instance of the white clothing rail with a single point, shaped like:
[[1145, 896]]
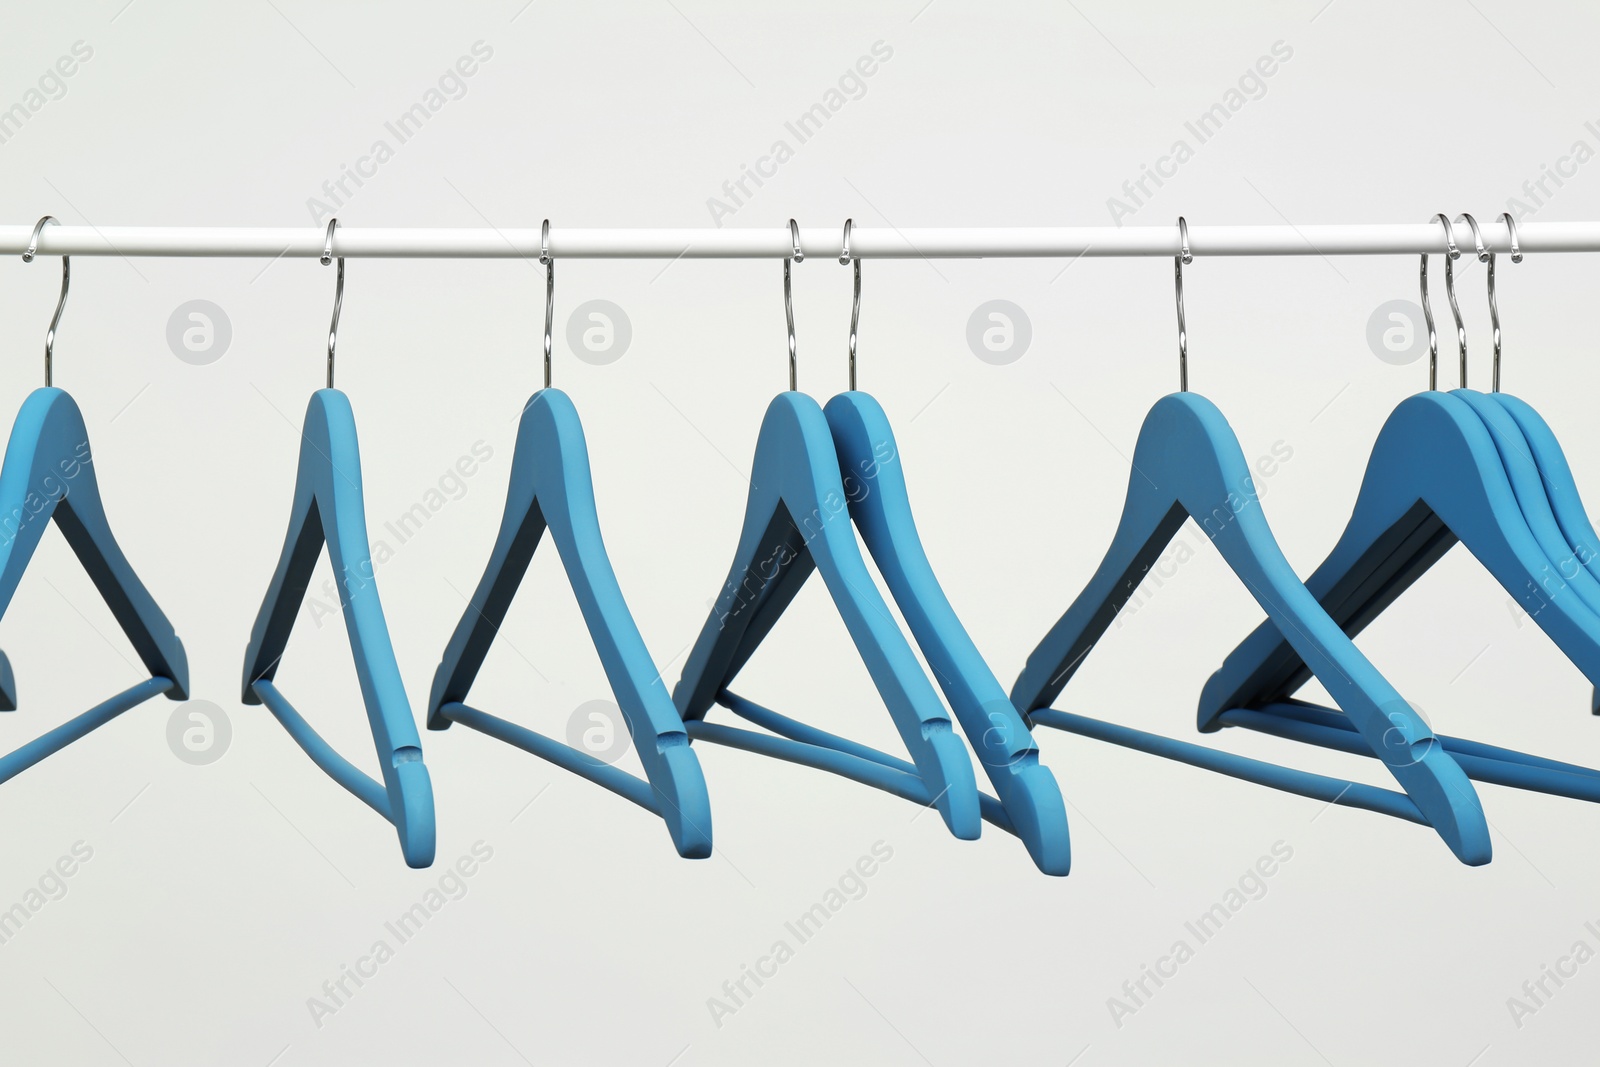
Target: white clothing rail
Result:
[[774, 242]]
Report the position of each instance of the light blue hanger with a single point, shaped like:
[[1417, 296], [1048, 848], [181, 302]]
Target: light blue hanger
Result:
[[329, 509], [49, 473], [1560, 486], [1436, 475], [1188, 464], [551, 487], [869, 463], [797, 520]]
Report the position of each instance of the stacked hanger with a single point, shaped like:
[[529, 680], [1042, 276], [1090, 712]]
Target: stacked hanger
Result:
[[1484, 470], [819, 478]]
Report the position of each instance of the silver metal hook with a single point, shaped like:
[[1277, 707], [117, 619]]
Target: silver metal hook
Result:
[[66, 283], [549, 294], [855, 307], [1494, 307], [338, 294], [1184, 256], [788, 301], [1452, 253]]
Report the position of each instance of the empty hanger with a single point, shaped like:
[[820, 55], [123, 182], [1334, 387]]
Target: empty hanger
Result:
[[1188, 463], [551, 487], [797, 520], [328, 508], [1560, 487], [1534, 486], [869, 463], [1436, 476], [49, 473]]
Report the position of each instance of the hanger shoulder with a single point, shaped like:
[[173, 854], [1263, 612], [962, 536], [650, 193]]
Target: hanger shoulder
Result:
[[1531, 484], [874, 484], [1435, 476], [1560, 485], [49, 473], [798, 515]]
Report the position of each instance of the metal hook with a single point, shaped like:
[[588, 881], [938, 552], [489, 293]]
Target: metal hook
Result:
[[1184, 256], [855, 308], [1494, 308], [788, 302], [338, 294], [66, 283], [1452, 253], [549, 294]]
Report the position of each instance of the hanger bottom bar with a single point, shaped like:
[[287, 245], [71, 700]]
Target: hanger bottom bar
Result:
[[1483, 763], [1286, 779], [811, 747], [369, 791], [14, 763], [562, 755]]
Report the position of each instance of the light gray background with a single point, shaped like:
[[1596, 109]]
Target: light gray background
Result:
[[219, 898]]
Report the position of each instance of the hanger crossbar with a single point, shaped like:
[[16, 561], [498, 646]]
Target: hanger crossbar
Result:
[[369, 791], [809, 746], [562, 755], [53, 741], [1482, 762], [1286, 779]]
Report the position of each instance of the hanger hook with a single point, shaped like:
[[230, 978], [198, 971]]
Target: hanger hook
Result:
[[1184, 256], [845, 259], [549, 294], [1494, 307], [66, 283], [794, 257], [1452, 253], [338, 293]]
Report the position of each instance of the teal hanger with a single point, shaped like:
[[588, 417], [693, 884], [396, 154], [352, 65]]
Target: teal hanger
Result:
[[551, 488], [1446, 467], [329, 509], [1581, 541], [797, 520], [48, 474], [1027, 794], [1188, 464]]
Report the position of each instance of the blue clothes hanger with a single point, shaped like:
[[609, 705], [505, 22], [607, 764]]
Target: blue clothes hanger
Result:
[[329, 509], [1436, 476], [1188, 464], [797, 520], [1560, 486], [551, 488], [869, 462], [48, 473]]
